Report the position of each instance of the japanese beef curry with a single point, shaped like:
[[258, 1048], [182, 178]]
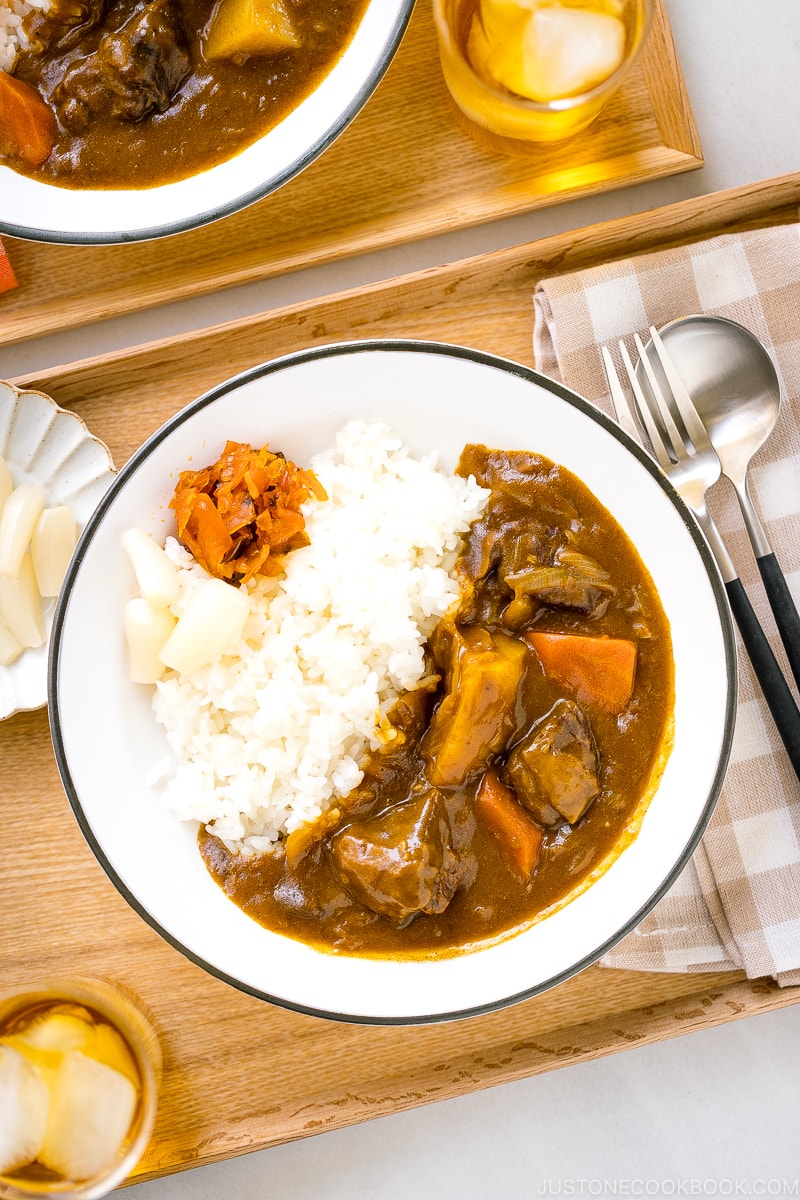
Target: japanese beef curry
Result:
[[519, 766], [144, 92]]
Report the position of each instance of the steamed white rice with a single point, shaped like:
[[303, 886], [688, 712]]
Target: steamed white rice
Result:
[[266, 739], [12, 34]]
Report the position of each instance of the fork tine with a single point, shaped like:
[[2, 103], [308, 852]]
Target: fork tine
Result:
[[674, 435], [643, 409], [689, 415], [622, 409]]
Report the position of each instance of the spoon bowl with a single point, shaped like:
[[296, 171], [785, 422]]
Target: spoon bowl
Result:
[[736, 391], [733, 383]]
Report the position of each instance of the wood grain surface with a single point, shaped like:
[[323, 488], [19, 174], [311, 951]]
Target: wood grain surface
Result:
[[240, 1073], [405, 169]]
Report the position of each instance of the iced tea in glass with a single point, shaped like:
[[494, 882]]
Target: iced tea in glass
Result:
[[531, 71], [80, 1070]]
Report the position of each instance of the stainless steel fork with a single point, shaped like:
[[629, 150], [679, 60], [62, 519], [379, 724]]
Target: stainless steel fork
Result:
[[684, 452]]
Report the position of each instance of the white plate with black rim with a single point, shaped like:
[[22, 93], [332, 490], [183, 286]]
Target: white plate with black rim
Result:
[[40, 211], [436, 397]]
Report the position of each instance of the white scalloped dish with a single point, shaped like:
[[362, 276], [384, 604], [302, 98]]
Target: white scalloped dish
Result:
[[52, 447]]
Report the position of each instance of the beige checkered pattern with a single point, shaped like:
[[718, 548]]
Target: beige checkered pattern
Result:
[[737, 904]]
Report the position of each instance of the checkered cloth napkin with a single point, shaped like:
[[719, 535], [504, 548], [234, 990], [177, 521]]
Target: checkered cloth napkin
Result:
[[7, 277], [737, 904]]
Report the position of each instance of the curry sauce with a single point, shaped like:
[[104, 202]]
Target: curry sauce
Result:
[[407, 864], [208, 111]]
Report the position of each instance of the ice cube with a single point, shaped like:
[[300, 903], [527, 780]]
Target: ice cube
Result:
[[24, 1103], [504, 20], [546, 53], [109, 1047], [47, 1039], [569, 50], [57, 1032], [91, 1110]]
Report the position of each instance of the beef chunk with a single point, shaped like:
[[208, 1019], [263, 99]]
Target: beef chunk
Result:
[[63, 24], [522, 543], [520, 478], [401, 862], [554, 769], [504, 546], [134, 71]]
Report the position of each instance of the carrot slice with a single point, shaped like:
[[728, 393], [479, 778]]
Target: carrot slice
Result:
[[499, 808], [599, 669], [205, 534], [28, 128]]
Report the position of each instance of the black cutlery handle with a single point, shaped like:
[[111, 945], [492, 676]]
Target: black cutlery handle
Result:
[[783, 608], [776, 690]]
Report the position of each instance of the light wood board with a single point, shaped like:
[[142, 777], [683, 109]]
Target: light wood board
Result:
[[404, 170], [224, 1095]]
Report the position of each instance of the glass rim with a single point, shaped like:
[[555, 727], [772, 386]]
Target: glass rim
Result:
[[521, 103]]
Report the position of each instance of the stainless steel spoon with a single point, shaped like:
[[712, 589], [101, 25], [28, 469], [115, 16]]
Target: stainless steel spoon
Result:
[[736, 391]]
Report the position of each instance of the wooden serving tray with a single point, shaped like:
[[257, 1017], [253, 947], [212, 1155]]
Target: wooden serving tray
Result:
[[404, 170], [61, 915]]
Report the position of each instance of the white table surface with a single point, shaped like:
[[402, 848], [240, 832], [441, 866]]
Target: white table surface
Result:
[[715, 1113]]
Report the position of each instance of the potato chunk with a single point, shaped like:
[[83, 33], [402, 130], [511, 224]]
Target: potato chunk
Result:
[[240, 28], [478, 712]]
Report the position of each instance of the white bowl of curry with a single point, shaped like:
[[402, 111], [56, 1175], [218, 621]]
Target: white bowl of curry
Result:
[[125, 120], [583, 542]]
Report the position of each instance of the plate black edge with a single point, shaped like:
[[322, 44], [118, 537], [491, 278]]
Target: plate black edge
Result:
[[491, 360], [153, 233]]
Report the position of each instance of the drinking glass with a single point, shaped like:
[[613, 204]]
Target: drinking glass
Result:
[[101, 1004], [509, 122]]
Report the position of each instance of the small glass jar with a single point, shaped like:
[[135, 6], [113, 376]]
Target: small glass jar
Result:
[[100, 1003]]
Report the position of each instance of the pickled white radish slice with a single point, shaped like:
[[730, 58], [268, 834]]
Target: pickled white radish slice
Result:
[[212, 622], [17, 522], [6, 483], [146, 630], [52, 543], [10, 646], [156, 576], [21, 605]]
